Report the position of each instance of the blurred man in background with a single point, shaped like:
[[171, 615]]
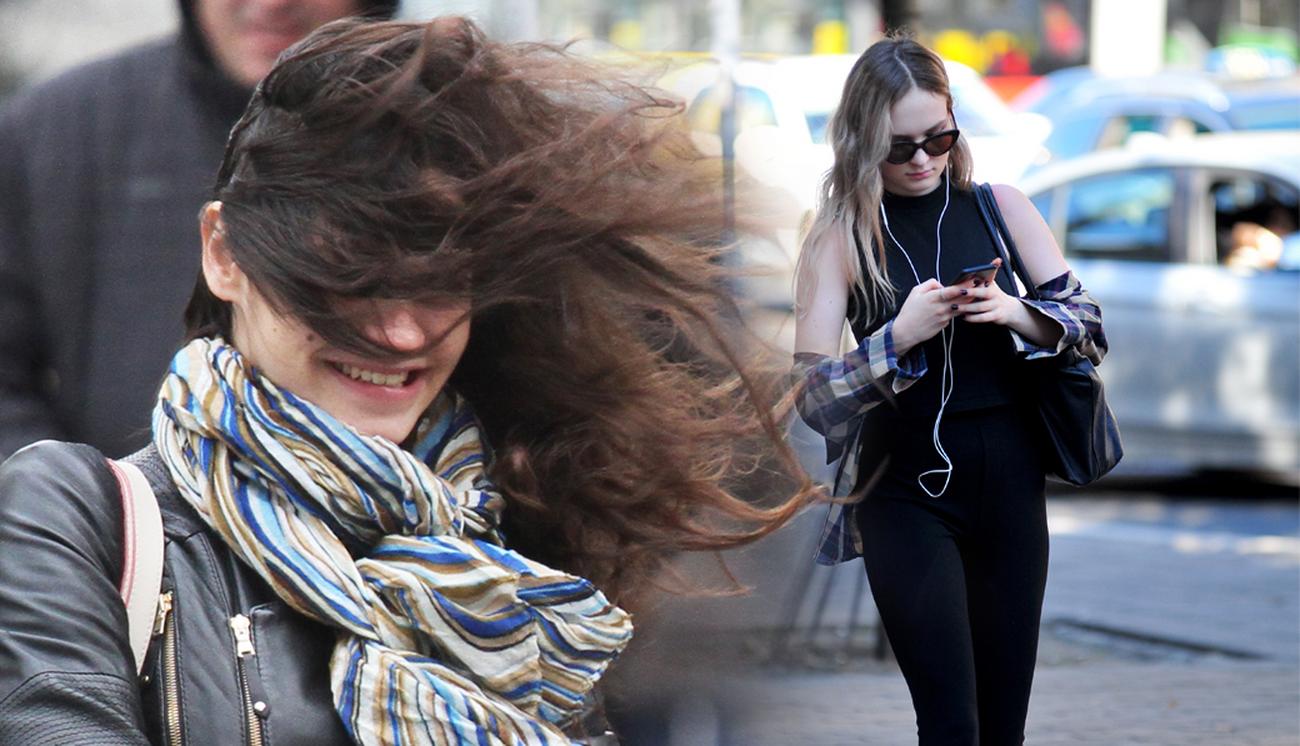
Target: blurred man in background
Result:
[[102, 174]]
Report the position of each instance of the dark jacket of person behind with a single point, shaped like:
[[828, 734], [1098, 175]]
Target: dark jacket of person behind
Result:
[[105, 168]]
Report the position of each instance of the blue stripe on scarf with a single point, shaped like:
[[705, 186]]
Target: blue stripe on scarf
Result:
[[563, 645], [485, 629], [553, 593], [345, 614], [392, 704], [345, 441]]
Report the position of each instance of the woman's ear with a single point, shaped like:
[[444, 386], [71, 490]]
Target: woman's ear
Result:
[[224, 277]]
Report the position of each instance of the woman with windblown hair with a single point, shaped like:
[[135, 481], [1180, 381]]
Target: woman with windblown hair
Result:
[[459, 380], [930, 411]]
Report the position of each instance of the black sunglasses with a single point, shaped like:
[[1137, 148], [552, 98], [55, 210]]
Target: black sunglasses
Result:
[[934, 146]]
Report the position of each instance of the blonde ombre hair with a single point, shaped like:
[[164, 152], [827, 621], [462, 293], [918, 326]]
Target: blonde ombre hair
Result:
[[860, 133]]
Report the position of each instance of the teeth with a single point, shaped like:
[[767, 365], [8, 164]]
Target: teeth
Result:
[[391, 380]]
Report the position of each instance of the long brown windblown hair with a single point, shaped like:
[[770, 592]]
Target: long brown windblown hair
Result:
[[606, 361]]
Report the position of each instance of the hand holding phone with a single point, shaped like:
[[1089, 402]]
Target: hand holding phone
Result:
[[984, 272]]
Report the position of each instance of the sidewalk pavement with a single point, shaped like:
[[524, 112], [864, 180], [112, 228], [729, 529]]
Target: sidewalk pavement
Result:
[[1236, 593], [1111, 703], [1156, 631]]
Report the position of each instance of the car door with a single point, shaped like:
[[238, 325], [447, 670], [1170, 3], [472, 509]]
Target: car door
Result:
[[1202, 369], [1248, 314], [1123, 237]]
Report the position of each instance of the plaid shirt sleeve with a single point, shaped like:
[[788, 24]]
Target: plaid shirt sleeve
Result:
[[835, 391], [1064, 300]]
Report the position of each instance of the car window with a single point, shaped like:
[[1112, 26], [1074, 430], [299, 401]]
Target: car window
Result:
[[1119, 129], [1121, 216], [753, 108], [1185, 126], [1254, 215]]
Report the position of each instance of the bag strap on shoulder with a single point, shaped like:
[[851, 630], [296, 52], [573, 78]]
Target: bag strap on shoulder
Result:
[[994, 223], [142, 555]]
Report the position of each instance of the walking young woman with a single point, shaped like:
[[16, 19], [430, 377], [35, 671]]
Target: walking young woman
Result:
[[459, 380], [928, 410]]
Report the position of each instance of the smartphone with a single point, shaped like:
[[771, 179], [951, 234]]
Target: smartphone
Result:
[[985, 272]]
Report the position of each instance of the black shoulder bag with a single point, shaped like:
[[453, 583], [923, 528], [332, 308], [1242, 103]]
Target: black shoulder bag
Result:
[[1082, 431]]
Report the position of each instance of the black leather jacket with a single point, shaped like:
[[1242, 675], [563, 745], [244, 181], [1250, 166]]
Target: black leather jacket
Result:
[[67, 675]]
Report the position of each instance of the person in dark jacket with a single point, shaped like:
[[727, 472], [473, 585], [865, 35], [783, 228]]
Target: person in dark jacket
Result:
[[104, 169], [431, 431]]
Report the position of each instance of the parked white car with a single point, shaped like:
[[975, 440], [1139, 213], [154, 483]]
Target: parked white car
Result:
[[1192, 249]]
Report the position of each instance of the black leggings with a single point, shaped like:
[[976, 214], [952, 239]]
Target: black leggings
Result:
[[959, 579]]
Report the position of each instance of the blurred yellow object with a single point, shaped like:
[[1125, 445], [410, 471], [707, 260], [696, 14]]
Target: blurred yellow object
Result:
[[961, 46], [1000, 41], [626, 34], [830, 37]]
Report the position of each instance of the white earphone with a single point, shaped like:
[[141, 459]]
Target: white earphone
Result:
[[949, 333]]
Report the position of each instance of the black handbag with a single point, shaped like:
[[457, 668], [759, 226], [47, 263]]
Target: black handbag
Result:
[[1071, 400]]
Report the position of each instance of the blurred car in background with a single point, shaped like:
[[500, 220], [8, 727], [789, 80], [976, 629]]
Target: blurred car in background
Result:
[[1264, 103], [1049, 90], [1089, 113], [1192, 250]]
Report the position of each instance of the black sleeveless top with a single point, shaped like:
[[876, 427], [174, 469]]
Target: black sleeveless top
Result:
[[983, 357]]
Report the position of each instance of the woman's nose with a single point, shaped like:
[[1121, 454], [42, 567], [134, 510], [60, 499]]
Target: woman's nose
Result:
[[920, 157], [398, 327]]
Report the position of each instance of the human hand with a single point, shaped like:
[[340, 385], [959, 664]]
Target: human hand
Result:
[[987, 304], [926, 311]]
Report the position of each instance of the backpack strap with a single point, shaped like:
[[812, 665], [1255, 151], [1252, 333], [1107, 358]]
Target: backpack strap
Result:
[[142, 555]]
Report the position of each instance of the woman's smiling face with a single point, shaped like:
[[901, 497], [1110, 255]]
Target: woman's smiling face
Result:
[[914, 117], [376, 397]]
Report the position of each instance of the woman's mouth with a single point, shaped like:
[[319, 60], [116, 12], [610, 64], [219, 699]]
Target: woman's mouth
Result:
[[393, 380]]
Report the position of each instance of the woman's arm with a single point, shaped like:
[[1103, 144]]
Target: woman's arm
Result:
[[67, 675], [835, 389], [819, 326], [1038, 248], [1065, 315]]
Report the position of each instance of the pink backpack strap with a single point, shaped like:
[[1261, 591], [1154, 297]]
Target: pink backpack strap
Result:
[[142, 555]]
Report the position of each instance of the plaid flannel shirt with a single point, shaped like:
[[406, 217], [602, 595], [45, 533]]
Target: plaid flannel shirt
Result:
[[837, 392]]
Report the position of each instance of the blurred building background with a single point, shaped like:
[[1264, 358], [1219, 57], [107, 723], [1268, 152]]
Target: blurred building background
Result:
[[1008, 37]]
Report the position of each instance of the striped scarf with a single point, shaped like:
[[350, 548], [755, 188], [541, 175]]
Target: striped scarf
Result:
[[449, 637]]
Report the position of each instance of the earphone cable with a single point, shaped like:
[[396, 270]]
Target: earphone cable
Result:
[[948, 379]]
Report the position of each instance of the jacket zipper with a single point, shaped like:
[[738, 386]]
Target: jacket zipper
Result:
[[256, 708], [165, 626]]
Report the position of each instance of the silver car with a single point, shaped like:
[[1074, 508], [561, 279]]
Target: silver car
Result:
[[1191, 247]]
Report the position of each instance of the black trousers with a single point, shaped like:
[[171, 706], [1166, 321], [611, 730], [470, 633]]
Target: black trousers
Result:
[[959, 579]]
